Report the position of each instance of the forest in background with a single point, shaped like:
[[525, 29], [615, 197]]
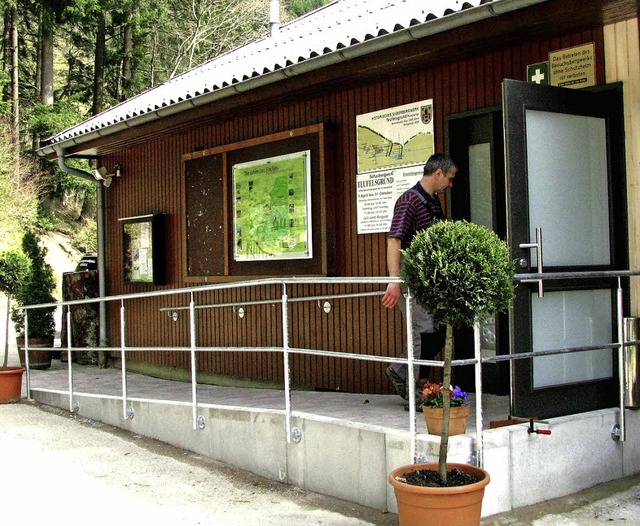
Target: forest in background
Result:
[[64, 61]]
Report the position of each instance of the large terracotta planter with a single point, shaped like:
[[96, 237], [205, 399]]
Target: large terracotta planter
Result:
[[37, 359], [456, 506], [457, 422], [10, 384]]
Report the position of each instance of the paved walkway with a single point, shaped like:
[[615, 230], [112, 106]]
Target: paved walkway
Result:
[[83, 471], [370, 411], [614, 503], [617, 502], [59, 468]]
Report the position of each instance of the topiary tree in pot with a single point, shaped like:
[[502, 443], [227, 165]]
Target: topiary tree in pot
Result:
[[14, 269], [37, 288], [460, 273]]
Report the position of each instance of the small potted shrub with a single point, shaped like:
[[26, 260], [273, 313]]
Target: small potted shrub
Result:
[[36, 289], [460, 273], [14, 269], [432, 408]]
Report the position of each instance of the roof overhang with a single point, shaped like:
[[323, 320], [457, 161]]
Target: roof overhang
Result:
[[118, 119]]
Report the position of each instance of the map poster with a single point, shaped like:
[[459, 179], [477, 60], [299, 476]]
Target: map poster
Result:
[[393, 145], [272, 208]]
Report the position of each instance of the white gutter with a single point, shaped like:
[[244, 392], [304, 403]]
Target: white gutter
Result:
[[425, 29]]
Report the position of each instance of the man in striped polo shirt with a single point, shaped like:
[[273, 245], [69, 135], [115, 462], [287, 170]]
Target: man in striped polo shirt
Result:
[[416, 209]]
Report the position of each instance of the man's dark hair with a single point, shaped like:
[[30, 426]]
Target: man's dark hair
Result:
[[439, 160]]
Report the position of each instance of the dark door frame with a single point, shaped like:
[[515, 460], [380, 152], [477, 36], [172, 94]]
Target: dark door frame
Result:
[[464, 130]]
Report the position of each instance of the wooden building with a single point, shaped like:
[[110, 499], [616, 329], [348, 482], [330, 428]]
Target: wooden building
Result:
[[176, 158]]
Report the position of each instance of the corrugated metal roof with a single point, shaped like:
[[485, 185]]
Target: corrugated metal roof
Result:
[[337, 31]]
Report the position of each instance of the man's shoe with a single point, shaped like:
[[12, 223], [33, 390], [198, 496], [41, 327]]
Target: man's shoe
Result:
[[396, 380]]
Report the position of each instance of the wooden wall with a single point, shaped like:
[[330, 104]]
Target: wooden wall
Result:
[[622, 52], [151, 183]]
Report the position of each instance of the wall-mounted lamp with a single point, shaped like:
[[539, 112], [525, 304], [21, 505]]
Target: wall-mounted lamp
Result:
[[102, 174]]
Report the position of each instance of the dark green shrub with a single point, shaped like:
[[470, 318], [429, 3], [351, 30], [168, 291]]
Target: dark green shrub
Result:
[[36, 289]]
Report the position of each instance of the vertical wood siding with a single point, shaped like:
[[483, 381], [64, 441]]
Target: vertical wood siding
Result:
[[622, 55], [151, 183]]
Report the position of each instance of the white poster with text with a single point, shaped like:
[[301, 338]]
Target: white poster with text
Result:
[[393, 145]]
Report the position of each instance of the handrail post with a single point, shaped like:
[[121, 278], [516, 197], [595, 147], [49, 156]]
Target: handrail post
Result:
[[411, 381], [192, 333], [69, 358], [26, 352], [622, 369], [123, 359], [285, 359], [478, 374]]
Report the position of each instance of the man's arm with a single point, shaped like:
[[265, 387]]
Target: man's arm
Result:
[[394, 256]]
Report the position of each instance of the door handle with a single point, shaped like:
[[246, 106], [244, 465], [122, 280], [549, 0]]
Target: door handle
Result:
[[538, 246]]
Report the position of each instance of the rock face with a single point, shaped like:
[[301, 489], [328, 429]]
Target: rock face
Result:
[[85, 317]]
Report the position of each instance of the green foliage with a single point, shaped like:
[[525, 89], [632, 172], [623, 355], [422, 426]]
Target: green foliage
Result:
[[18, 192], [459, 272], [86, 239], [300, 7], [14, 269], [45, 220], [47, 120], [36, 289]]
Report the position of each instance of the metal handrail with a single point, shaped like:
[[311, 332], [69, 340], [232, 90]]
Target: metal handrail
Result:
[[477, 361]]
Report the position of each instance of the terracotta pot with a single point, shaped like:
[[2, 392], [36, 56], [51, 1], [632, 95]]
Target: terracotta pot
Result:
[[457, 422], [10, 384], [37, 359], [456, 506]]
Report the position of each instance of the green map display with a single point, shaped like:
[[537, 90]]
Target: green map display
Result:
[[272, 208]]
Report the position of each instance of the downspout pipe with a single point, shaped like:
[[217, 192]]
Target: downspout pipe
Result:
[[60, 152]]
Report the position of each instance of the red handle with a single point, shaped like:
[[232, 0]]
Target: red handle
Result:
[[543, 431]]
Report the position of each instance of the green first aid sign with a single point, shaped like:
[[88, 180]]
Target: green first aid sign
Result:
[[538, 73]]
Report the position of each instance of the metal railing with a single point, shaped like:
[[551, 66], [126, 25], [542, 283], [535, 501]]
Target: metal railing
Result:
[[287, 351]]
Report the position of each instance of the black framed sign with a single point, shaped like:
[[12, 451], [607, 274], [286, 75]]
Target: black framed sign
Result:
[[144, 249]]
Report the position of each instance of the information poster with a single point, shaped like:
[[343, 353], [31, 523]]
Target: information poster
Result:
[[138, 252], [393, 145], [272, 208]]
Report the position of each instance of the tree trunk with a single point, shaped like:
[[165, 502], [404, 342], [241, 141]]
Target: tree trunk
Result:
[[46, 53], [6, 50], [126, 60], [6, 333], [44, 66], [446, 404], [152, 71], [98, 76], [38, 54], [15, 120]]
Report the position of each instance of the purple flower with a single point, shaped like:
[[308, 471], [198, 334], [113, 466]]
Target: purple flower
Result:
[[458, 397]]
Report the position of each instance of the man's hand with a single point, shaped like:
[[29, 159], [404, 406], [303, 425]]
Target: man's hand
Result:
[[392, 295]]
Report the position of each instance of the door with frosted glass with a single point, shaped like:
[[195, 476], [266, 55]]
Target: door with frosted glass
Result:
[[565, 213]]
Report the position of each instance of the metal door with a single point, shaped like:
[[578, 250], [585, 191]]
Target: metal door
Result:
[[565, 212]]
